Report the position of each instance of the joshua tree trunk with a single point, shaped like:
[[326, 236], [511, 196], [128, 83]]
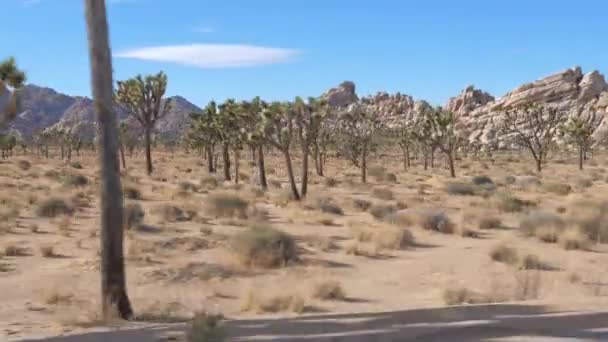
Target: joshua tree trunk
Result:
[[262, 168], [318, 160], [236, 166], [113, 278], [364, 165], [122, 155], [581, 157], [292, 179], [148, 143], [451, 164], [226, 155], [304, 186]]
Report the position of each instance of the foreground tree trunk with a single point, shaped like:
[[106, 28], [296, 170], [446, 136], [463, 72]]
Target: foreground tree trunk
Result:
[[236, 166], [210, 160], [114, 297], [292, 179], [262, 168], [364, 165], [122, 156], [451, 165], [581, 157], [148, 143], [226, 155], [304, 186]]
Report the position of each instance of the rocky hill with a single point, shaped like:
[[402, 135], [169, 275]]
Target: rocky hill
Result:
[[570, 90], [44, 107]]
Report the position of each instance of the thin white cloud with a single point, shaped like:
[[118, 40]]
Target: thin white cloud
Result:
[[30, 3], [203, 29], [212, 55]]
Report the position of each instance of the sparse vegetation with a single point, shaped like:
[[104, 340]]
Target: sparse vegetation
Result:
[[53, 207], [263, 246]]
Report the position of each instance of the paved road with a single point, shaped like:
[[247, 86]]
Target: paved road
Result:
[[469, 323]]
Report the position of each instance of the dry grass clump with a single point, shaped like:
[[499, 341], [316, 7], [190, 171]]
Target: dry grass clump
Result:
[[591, 217], [383, 194], [209, 182], [560, 189], [378, 172], [226, 205], [382, 211], [392, 238], [327, 205], [76, 165], [187, 187], [437, 221], [331, 182], [361, 204], [544, 225], [328, 290], [131, 192], [53, 174], [461, 295], [263, 246], [511, 204], [482, 180], [133, 216], [259, 303], [460, 189], [24, 165], [206, 327], [53, 207], [526, 182], [47, 251], [15, 251], [75, 180], [504, 254], [489, 222], [171, 213], [574, 239], [533, 262], [583, 183]]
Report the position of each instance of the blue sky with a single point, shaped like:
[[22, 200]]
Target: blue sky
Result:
[[278, 49]]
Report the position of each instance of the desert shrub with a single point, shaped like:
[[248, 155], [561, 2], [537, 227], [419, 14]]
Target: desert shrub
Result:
[[47, 251], [461, 189], [226, 205], [133, 216], [131, 192], [264, 246], [24, 165], [361, 204], [511, 204], [76, 165], [489, 222], [383, 194], [536, 221], [392, 238], [361, 233], [377, 171], [331, 182], [53, 207], [556, 188], [583, 183], [275, 183], [533, 262], [171, 213], [206, 327], [527, 181], [52, 174], [328, 290], [510, 180], [591, 217], [461, 295], [574, 239], [75, 180], [254, 301], [187, 187], [482, 180], [327, 205], [504, 254], [382, 211], [391, 177], [209, 182], [436, 220]]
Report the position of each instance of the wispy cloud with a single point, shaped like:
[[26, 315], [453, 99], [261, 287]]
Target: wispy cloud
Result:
[[203, 29], [30, 3], [212, 55]]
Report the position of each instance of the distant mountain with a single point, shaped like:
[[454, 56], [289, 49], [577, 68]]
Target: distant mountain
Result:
[[44, 107]]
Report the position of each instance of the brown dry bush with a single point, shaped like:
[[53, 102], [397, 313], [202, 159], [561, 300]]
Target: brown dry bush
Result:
[[263, 246], [461, 295], [257, 302], [328, 290], [331, 182], [392, 238], [510, 204], [382, 211], [133, 216], [171, 213], [560, 189], [574, 239], [489, 222], [131, 192], [460, 189], [540, 223], [209, 182], [383, 194], [53, 207], [75, 180], [206, 327], [361, 204], [327, 205], [226, 205], [24, 165], [504, 254], [591, 217]]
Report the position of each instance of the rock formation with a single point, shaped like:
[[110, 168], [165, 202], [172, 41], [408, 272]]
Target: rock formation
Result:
[[342, 95]]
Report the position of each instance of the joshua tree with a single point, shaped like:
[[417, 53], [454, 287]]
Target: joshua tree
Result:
[[442, 126], [308, 118], [231, 120], [113, 283], [578, 130], [255, 138], [10, 76], [143, 97], [358, 126], [404, 133], [203, 132], [532, 126], [278, 128], [325, 137]]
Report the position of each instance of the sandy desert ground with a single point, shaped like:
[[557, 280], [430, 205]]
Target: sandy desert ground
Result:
[[407, 240]]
